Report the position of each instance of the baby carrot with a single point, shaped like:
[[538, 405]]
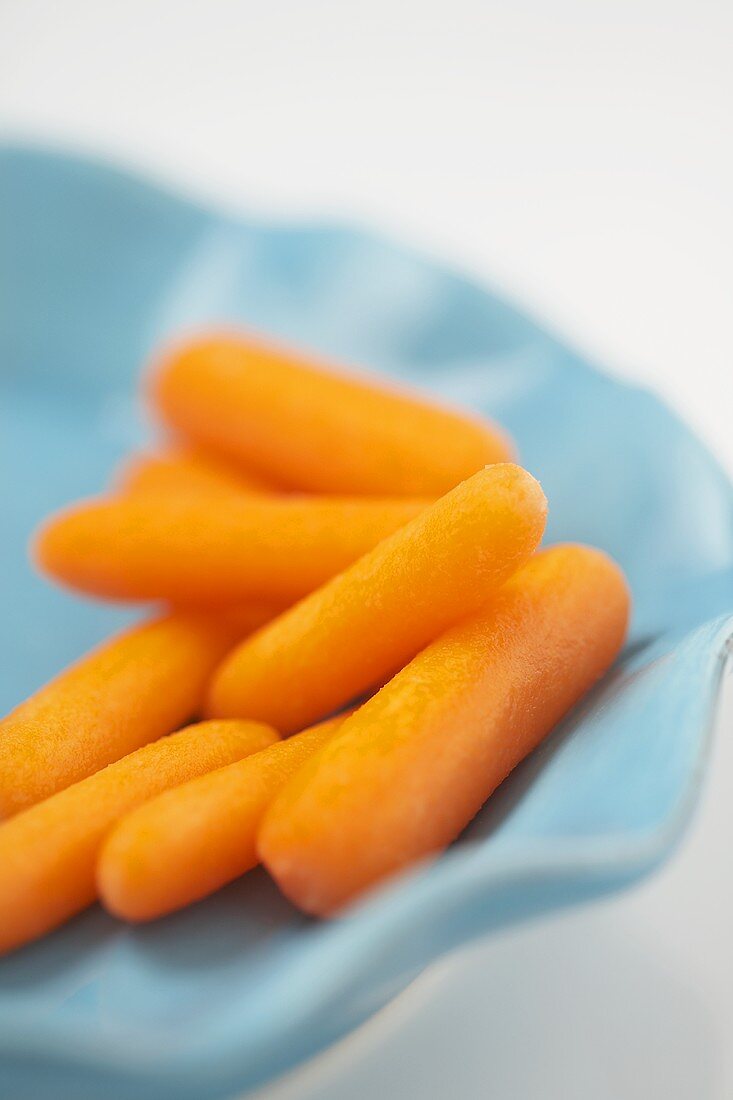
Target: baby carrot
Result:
[[409, 770], [204, 551], [311, 427], [193, 839], [136, 687], [371, 619], [48, 853], [183, 471], [245, 618], [188, 472]]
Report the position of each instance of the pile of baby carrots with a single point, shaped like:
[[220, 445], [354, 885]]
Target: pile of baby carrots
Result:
[[352, 605]]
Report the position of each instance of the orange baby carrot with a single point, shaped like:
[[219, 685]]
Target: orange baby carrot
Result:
[[371, 619], [206, 551], [180, 471], [48, 853], [315, 428], [136, 687], [193, 839], [183, 471], [245, 618], [410, 769]]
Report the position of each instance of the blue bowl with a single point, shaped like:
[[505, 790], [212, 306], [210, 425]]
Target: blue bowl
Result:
[[96, 268]]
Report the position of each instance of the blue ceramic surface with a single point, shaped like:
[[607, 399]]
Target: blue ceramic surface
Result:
[[96, 268]]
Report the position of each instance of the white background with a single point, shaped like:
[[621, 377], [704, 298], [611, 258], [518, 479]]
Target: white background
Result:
[[577, 154]]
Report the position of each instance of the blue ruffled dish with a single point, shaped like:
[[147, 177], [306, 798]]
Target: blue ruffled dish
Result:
[[97, 267]]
